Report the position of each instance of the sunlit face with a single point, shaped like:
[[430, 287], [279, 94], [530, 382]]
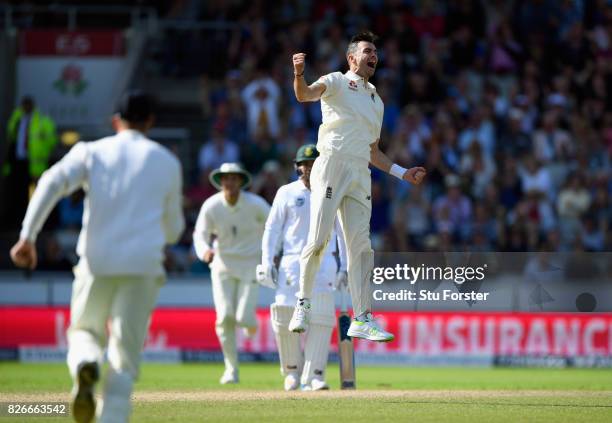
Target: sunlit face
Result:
[[231, 183], [364, 60]]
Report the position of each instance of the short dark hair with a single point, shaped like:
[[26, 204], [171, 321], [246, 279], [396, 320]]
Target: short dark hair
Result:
[[362, 36], [136, 106]]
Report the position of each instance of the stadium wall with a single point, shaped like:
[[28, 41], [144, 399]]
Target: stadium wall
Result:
[[38, 333]]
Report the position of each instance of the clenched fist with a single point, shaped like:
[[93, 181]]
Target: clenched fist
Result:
[[208, 256], [415, 175], [24, 255], [299, 62]]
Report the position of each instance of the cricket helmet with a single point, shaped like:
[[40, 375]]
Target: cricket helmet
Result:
[[226, 168], [305, 153]]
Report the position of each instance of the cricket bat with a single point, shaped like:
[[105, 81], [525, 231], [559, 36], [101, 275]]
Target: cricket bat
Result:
[[346, 354]]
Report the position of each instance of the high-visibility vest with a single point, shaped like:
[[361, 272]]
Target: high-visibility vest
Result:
[[41, 140]]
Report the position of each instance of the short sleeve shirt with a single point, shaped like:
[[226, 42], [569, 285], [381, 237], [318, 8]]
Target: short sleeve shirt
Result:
[[352, 115]]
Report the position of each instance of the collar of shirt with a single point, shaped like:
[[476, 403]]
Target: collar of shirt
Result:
[[303, 185], [236, 206], [130, 134], [354, 77]]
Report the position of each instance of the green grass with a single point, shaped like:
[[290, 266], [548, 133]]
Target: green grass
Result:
[[423, 394]]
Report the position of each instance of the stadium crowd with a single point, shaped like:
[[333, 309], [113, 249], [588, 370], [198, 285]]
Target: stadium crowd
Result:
[[506, 103]]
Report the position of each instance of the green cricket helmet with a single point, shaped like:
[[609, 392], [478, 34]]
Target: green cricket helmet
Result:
[[307, 152]]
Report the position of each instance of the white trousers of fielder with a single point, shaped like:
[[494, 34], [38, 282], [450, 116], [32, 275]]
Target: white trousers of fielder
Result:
[[342, 186], [125, 303], [235, 297]]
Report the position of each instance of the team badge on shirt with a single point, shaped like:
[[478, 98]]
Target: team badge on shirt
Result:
[[373, 98], [299, 202], [352, 85]]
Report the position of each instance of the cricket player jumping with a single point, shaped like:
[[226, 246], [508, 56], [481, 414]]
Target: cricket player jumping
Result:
[[235, 219], [287, 230], [132, 208], [340, 179]]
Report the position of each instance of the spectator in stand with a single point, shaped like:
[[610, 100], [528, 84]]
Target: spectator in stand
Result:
[[411, 219], [534, 177], [268, 181], [592, 237], [573, 202], [217, 150], [480, 129], [478, 168], [262, 149], [379, 223], [550, 142], [453, 211], [412, 133], [514, 140], [261, 97]]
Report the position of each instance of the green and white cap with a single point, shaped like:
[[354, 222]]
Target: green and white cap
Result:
[[305, 153]]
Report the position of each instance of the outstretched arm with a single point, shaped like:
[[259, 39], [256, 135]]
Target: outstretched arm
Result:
[[303, 91], [414, 175]]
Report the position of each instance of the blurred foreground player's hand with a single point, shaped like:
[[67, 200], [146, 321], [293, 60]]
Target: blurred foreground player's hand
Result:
[[24, 255], [208, 256], [415, 175]]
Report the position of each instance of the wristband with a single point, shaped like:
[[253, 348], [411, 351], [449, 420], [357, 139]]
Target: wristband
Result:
[[397, 171], [298, 74]]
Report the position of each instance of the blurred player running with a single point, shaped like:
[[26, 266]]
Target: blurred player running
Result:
[[340, 179], [132, 208], [287, 230], [235, 219]]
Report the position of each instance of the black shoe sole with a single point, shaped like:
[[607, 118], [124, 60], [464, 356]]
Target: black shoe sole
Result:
[[84, 403]]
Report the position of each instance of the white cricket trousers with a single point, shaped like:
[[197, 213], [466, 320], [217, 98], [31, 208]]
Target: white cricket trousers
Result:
[[235, 295], [114, 309], [340, 185]]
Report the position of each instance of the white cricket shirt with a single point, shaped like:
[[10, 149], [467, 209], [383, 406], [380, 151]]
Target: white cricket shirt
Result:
[[288, 223], [237, 230], [132, 205], [352, 115]]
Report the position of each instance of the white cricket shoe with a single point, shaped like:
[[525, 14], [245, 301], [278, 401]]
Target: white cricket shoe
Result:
[[229, 377], [83, 402], [315, 385], [292, 382], [318, 385], [370, 330], [301, 317]]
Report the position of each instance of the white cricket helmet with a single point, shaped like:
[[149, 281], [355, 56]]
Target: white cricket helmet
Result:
[[226, 168]]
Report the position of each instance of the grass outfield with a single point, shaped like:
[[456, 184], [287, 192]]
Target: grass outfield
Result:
[[190, 393]]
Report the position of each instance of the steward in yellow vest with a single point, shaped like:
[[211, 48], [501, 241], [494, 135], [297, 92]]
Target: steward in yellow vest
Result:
[[37, 141]]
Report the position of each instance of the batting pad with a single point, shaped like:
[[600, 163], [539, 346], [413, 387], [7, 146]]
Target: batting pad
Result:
[[316, 351], [287, 342], [323, 310]]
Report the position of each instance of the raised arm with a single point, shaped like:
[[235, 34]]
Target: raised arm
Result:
[[303, 91], [414, 175]]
